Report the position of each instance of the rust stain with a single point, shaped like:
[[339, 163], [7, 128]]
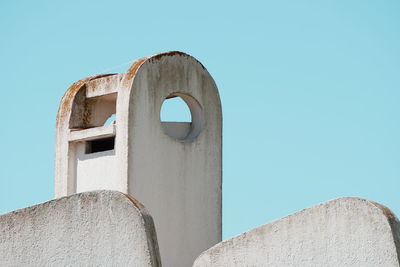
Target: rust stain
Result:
[[134, 201], [389, 214], [173, 53], [131, 72], [69, 95], [169, 54], [93, 84], [86, 115]]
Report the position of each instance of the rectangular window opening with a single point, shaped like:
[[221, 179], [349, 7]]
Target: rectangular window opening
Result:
[[100, 145]]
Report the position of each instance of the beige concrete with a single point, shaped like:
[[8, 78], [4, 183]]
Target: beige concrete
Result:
[[342, 232], [174, 169], [101, 228]]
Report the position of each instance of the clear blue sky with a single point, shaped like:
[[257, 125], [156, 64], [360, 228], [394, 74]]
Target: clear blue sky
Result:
[[310, 92]]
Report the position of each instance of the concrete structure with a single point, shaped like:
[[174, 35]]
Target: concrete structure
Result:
[[102, 228], [342, 232], [173, 168]]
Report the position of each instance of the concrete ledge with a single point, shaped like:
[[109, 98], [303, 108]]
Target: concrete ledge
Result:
[[92, 133], [96, 228], [341, 232]]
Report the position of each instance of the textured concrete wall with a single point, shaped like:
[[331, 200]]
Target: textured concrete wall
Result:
[[174, 169], [342, 232], [100, 228], [179, 181]]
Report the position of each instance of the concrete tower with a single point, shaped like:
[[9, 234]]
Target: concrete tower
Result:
[[173, 168]]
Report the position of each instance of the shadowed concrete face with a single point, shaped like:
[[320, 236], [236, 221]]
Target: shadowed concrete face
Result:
[[173, 168], [342, 232], [100, 228]]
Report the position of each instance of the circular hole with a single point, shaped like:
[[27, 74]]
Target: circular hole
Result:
[[175, 110], [181, 117]]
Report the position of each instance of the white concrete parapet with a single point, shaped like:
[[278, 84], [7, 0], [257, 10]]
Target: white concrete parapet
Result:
[[341, 232], [100, 228]]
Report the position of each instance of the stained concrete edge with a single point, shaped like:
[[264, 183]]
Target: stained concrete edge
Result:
[[347, 231], [91, 228], [394, 225]]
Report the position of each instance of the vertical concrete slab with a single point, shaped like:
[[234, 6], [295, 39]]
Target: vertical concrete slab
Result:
[[174, 169], [100, 228], [342, 232], [179, 181]]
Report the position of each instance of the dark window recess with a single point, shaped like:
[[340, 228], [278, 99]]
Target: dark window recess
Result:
[[100, 145]]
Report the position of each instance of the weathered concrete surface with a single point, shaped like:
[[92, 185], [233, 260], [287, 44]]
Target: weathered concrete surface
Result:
[[341, 232], [100, 228], [174, 169]]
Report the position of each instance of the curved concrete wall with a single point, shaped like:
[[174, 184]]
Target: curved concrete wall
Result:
[[99, 228], [341, 232]]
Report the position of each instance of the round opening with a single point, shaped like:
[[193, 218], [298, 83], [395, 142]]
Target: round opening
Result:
[[181, 117]]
